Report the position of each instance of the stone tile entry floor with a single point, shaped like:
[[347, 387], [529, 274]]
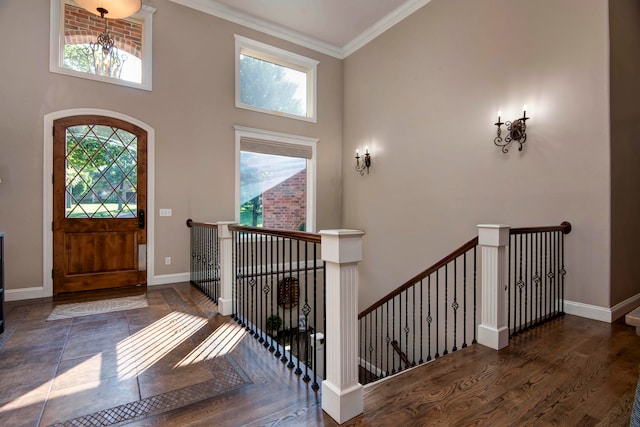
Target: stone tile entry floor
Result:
[[115, 367]]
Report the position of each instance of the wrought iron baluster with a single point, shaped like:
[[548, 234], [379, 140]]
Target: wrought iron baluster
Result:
[[464, 302], [437, 314], [413, 325], [475, 300], [429, 318], [399, 342], [520, 284], [539, 273], [407, 328], [298, 371], [375, 342], [446, 306], [454, 305], [362, 326], [259, 291], [291, 365], [508, 285], [306, 311], [271, 294], [245, 281], [556, 270], [547, 281], [562, 273], [370, 349], [421, 360], [315, 385], [530, 282], [276, 295], [393, 332]]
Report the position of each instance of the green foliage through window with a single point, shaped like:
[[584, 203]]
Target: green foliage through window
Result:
[[271, 86], [101, 178]]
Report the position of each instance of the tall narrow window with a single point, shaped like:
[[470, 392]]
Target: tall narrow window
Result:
[[74, 51], [275, 81], [275, 185]]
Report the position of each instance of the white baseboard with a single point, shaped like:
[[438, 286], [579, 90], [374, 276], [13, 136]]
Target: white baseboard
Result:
[[589, 311], [620, 309], [38, 292], [370, 367], [603, 314], [21, 294], [165, 279]]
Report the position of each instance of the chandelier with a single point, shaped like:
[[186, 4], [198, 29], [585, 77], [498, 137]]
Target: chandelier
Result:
[[113, 9]]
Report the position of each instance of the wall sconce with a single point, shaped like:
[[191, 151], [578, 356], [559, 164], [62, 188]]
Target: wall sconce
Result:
[[517, 131], [366, 161]]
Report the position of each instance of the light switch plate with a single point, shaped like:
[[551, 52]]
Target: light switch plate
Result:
[[165, 212]]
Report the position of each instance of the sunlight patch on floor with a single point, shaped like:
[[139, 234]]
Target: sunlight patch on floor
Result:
[[220, 342], [143, 349], [37, 396]]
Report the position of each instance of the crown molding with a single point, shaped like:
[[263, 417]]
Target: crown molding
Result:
[[225, 12], [382, 25]]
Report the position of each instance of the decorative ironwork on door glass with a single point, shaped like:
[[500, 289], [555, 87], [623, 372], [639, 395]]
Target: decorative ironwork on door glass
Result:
[[101, 172]]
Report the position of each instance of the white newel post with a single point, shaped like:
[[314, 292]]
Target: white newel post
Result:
[[493, 331], [225, 239], [342, 395]]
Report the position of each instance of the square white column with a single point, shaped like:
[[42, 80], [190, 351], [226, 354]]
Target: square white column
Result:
[[342, 394], [493, 240]]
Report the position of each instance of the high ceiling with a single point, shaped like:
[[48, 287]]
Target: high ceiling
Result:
[[336, 27]]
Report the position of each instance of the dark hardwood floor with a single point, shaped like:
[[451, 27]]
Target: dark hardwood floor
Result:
[[569, 372]]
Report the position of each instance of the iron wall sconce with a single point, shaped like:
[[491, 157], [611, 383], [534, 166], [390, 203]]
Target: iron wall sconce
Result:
[[516, 131], [366, 161]]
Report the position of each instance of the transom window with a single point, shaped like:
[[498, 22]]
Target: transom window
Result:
[[275, 81], [275, 180], [74, 51]]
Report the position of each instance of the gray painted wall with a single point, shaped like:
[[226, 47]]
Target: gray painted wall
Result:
[[424, 95], [191, 108]]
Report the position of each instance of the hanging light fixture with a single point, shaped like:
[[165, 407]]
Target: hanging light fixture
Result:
[[112, 9]]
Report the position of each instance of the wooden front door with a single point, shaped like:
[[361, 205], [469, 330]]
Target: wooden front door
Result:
[[99, 204]]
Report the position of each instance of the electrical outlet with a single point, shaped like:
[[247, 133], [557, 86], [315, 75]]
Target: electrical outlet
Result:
[[165, 212], [167, 260]]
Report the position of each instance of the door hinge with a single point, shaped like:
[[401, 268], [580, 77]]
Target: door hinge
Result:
[[51, 225], [52, 273], [52, 178], [53, 130]]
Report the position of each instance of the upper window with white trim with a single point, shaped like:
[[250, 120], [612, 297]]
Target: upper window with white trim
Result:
[[74, 49], [275, 81], [275, 180]]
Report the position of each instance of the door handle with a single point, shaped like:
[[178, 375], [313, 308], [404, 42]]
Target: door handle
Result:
[[141, 219]]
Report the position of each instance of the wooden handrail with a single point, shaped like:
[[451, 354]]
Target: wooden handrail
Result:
[[296, 235], [565, 227], [191, 223], [453, 255]]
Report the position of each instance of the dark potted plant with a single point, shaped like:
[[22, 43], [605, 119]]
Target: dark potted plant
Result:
[[274, 323]]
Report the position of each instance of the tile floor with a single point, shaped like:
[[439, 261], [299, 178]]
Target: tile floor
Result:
[[113, 367]]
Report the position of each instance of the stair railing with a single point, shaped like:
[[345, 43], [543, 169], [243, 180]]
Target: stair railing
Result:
[[430, 315], [536, 272], [279, 295], [436, 312], [204, 272]]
